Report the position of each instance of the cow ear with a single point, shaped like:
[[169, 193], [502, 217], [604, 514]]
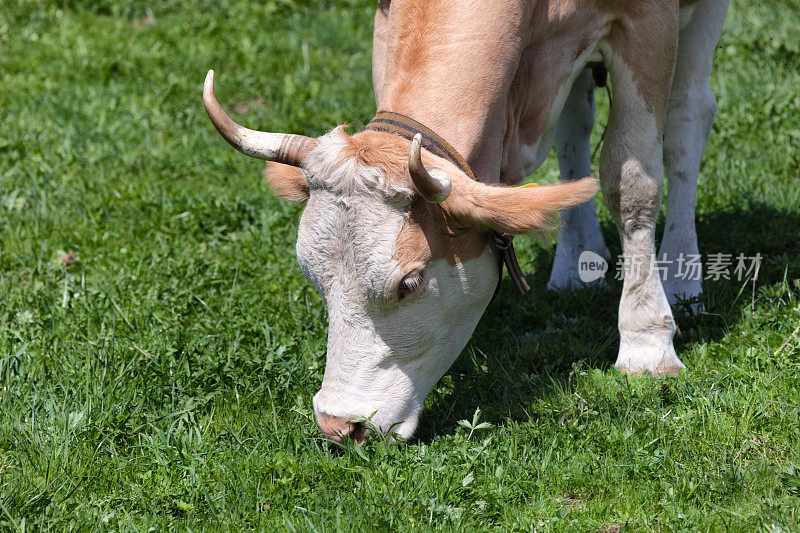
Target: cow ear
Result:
[[287, 182], [515, 210]]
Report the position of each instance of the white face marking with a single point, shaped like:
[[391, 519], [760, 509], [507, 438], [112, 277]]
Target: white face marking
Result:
[[384, 355]]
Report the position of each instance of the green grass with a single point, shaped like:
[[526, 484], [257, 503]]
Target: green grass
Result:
[[164, 379]]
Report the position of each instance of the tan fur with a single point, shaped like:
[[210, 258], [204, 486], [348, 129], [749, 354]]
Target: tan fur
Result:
[[286, 182], [380, 39], [642, 24], [440, 62], [428, 235], [456, 229], [381, 150], [445, 67], [513, 209]]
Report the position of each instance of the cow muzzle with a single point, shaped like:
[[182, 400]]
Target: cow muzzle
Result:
[[337, 428], [356, 418]]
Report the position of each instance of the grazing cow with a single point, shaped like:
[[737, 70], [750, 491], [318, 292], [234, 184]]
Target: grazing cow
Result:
[[397, 236]]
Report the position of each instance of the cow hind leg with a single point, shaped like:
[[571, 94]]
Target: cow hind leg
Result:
[[690, 115], [640, 60], [580, 231]]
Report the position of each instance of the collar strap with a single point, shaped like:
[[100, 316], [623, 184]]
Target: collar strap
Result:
[[407, 127]]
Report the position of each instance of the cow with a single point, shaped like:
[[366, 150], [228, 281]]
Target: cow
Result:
[[400, 241]]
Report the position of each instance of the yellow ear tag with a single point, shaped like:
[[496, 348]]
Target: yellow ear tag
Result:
[[528, 185]]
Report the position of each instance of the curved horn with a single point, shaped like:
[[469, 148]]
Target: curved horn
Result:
[[432, 183], [280, 147]]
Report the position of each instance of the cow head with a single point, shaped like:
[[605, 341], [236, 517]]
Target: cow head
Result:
[[397, 241]]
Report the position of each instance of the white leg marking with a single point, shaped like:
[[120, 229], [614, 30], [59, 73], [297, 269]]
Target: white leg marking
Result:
[[580, 229], [631, 172], [690, 116]]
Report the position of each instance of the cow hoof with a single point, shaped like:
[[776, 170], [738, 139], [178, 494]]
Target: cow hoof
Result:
[[672, 370], [653, 358]]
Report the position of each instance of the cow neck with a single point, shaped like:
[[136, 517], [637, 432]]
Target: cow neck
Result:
[[407, 128]]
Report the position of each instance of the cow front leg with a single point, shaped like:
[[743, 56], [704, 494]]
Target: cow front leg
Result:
[[692, 107], [631, 174], [580, 229]]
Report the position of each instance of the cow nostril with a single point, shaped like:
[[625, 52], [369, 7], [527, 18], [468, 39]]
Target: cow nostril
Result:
[[358, 432]]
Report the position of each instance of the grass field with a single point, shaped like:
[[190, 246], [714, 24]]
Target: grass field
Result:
[[162, 376]]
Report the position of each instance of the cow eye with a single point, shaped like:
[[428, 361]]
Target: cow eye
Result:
[[410, 283]]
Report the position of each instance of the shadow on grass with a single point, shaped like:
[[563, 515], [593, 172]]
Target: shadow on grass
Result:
[[524, 347]]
